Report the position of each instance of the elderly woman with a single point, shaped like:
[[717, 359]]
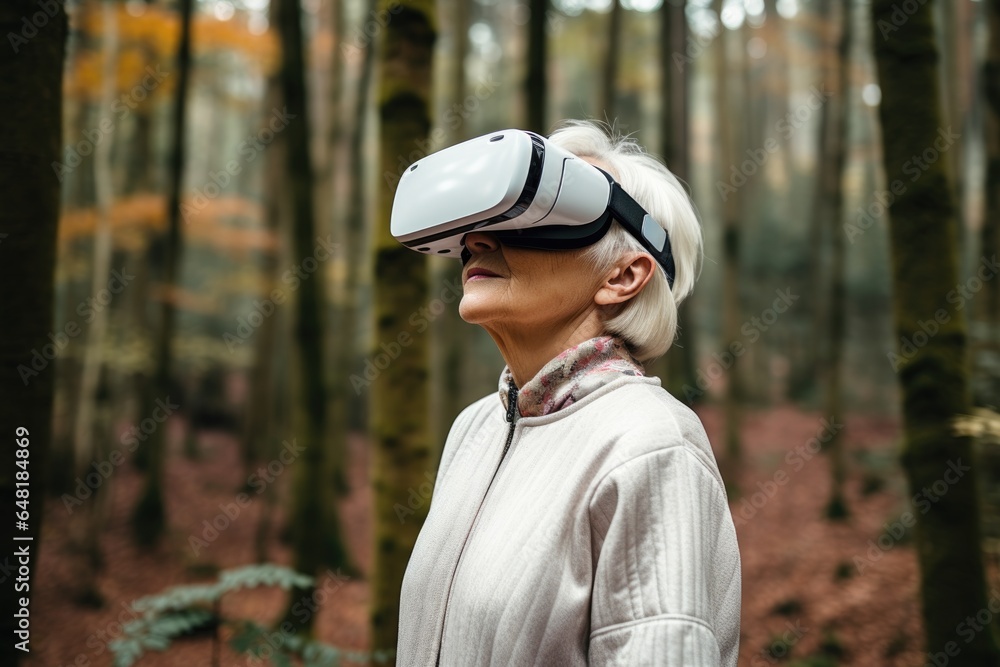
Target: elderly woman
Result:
[[578, 515]]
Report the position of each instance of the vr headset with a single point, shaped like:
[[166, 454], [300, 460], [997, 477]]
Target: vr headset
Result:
[[526, 190]]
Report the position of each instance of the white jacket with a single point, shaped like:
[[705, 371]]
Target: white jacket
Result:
[[603, 538]]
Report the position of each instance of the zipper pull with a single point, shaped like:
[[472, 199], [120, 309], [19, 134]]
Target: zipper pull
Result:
[[511, 402]]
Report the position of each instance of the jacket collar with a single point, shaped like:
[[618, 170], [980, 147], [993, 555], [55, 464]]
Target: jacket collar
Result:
[[570, 376]]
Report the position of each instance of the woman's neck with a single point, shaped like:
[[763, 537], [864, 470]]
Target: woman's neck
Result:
[[525, 352]]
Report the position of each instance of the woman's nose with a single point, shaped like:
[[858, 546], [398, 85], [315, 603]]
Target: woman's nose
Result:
[[481, 242]]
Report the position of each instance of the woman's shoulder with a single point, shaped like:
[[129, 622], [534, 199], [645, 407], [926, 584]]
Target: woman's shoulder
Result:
[[647, 419], [477, 410]]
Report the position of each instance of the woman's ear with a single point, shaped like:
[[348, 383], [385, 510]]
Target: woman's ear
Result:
[[626, 280]]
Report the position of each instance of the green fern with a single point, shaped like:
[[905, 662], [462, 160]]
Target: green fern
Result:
[[193, 608]]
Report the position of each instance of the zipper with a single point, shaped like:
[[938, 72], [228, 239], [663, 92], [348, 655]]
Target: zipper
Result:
[[512, 416]]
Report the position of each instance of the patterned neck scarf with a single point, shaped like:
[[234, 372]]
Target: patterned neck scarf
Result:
[[571, 375]]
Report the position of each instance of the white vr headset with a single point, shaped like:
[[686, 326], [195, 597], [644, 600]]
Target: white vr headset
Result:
[[526, 190]]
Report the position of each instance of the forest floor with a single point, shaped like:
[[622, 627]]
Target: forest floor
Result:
[[821, 592]]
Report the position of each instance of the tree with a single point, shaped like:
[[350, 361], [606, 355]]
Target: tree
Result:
[[954, 74], [149, 519], [536, 83], [400, 407], [31, 67], [732, 310], [315, 525], [260, 426], [990, 234], [611, 57], [804, 380], [834, 196], [344, 399], [85, 447], [679, 366], [932, 375], [343, 320], [452, 335]]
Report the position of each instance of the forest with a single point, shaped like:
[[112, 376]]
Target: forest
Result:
[[226, 386]]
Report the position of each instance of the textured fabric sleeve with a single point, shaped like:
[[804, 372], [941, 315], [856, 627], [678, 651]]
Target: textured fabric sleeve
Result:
[[667, 581]]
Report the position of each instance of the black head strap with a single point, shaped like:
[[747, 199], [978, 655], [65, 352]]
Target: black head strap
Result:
[[641, 225]]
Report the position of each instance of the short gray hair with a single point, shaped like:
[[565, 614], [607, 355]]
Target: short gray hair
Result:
[[647, 322]]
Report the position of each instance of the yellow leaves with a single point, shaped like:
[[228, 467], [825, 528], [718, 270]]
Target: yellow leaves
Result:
[[151, 40], [140, 213], [209, 35], [135, 217], [155, 28], [208, 225]]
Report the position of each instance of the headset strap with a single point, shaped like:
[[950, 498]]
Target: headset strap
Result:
[[631, 215]]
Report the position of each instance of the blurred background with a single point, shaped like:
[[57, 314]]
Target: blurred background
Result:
[[249, 378]]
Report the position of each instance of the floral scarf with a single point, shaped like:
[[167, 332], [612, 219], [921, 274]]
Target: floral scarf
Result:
[[570, 376]]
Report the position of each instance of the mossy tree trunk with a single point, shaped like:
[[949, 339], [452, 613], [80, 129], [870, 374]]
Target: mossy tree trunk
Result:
[[30, 142], [839, 117], [149, 519], [315, 524], [933, 376], [399, 401]]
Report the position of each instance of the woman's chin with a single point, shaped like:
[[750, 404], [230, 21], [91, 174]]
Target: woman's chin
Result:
[[476, 309]]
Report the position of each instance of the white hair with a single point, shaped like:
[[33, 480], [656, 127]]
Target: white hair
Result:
[[647, 322]]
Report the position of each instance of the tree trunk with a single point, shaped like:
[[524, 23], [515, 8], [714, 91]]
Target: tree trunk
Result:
[[139, 177], [345, 397], [30, 143], [88, 532], [274, 343], [933, 379], [732, 311], [836, 507], [91, 369], [956, 65], [611, 62], [329, 190], [452, 334], [149, 518], [806, 360], [315, 523], [678, 368], [334, 121], [259, 433], [536, 84], [69, 293], [399, 396], [989, 388]]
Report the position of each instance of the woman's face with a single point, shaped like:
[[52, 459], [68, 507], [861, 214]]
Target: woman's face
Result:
[[535, 290]]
